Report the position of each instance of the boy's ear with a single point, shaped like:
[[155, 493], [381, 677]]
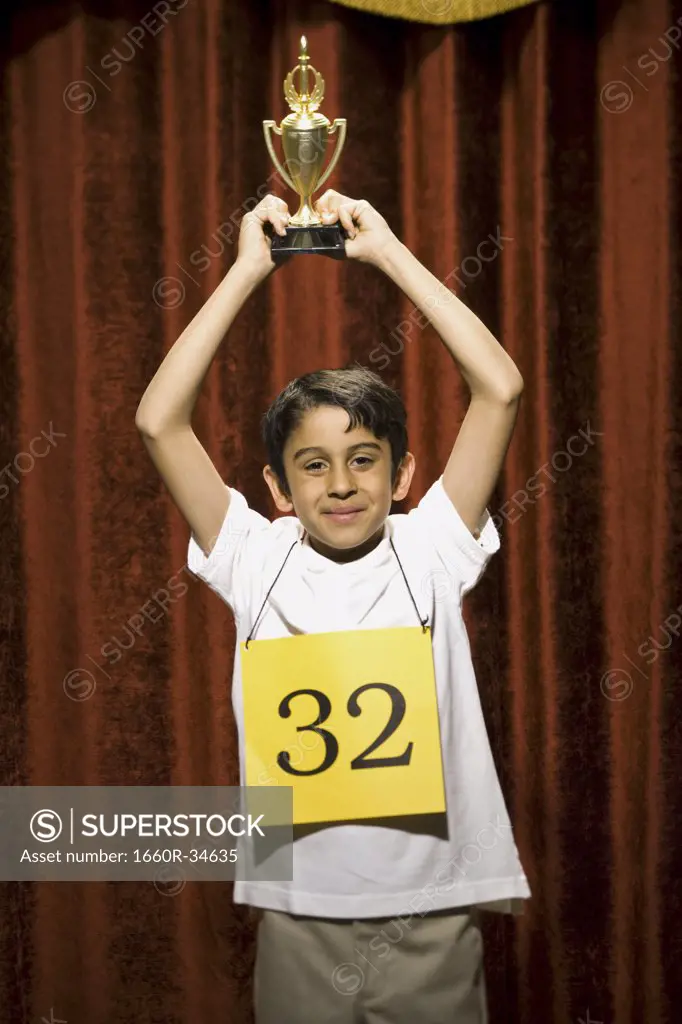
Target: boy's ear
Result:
[[404, 476], [281, 500]]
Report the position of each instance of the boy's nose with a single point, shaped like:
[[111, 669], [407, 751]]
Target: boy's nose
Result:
[[341, 484]]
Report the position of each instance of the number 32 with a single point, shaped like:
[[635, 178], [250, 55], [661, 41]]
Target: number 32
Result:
[[330, 741]]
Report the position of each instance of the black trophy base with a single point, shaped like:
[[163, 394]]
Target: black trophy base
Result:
[[325, 240]]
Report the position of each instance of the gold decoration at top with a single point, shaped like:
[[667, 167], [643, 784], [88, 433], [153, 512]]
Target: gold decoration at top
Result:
[[304, 103]]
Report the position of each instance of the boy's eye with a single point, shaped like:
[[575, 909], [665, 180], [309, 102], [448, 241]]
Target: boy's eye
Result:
[[318, 462]]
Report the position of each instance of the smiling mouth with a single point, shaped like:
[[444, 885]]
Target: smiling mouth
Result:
[[344, 517]]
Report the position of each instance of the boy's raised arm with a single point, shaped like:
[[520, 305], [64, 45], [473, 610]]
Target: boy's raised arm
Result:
[[493, 378], [164, 415]]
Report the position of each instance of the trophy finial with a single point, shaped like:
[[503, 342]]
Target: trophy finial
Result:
[[303, 101]]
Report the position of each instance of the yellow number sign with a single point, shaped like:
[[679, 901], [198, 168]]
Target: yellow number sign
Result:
[[348, 719]]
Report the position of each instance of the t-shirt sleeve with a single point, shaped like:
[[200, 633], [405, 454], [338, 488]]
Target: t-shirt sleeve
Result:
[[459, 552], [232, 554]]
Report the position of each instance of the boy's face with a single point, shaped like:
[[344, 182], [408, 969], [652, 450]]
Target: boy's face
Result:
[[339, 470]]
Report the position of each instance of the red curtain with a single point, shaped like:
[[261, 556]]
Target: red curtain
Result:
[[131, 140]]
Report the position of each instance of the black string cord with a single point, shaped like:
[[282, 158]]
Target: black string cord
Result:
[[423, 624], [270, 591]]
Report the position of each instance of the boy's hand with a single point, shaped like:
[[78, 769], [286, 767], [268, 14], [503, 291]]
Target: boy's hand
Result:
[[369, 232], [255, 247]]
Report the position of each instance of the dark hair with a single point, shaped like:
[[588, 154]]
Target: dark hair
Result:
[[362, 393]]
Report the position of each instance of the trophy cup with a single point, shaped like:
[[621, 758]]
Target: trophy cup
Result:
[[304, 140]]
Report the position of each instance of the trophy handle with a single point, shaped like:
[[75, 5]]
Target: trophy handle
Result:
[[271, 150], [340, 123]]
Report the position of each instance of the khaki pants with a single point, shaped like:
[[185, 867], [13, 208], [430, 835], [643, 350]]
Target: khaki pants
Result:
[[389, 970]]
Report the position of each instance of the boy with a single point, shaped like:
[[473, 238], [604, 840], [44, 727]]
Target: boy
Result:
[[340, 943]]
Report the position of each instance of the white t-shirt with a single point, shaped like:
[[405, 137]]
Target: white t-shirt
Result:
[[363, 870]]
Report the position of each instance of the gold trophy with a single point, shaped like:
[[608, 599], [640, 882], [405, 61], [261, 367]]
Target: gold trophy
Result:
[[304, 140]]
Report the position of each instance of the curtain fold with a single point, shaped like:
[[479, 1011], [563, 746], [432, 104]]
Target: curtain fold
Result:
[[532, 162]]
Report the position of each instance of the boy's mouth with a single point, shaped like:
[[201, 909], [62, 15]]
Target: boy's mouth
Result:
[[345, 517]]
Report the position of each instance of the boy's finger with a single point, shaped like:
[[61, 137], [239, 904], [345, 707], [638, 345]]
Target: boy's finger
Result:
[[349, 246], [278, 219], [322, 208], [330, 197], [347, 220]]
